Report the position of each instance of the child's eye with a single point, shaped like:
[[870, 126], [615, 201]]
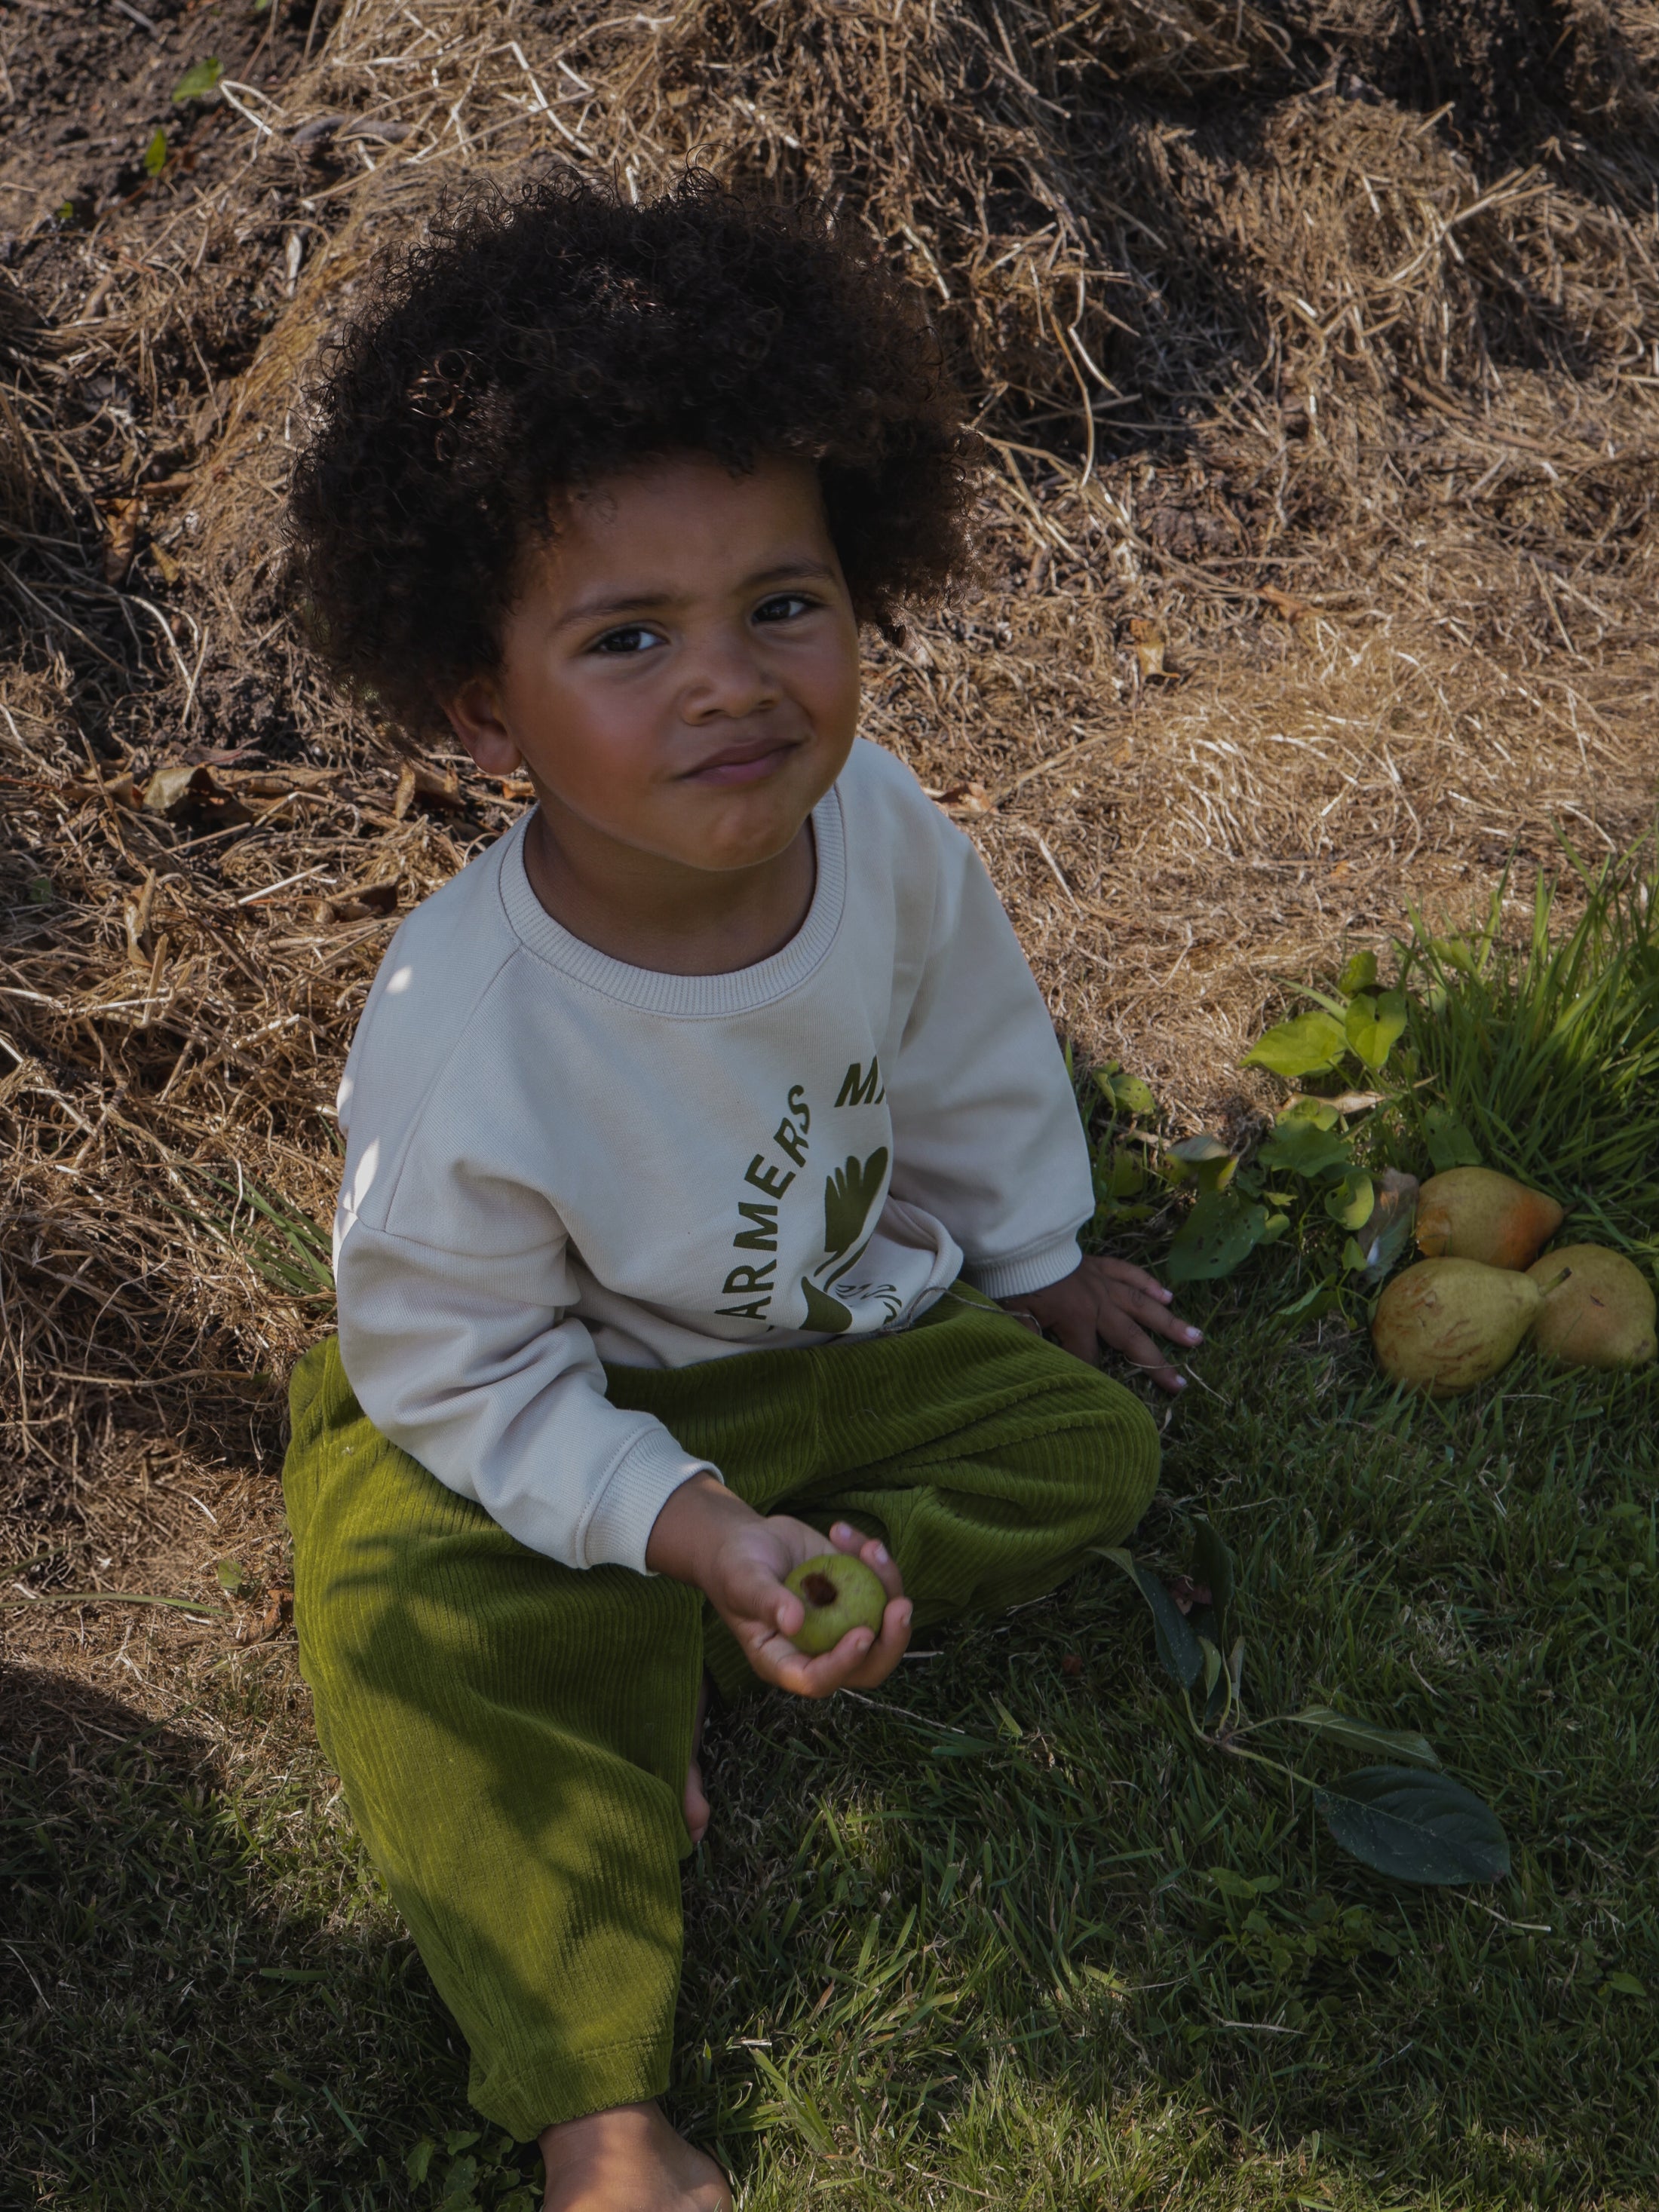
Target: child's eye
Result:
[[632, 637], [783, 606]]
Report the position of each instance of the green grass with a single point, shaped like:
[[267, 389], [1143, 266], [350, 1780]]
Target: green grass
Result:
[[920, 1978], [1549, 1052]]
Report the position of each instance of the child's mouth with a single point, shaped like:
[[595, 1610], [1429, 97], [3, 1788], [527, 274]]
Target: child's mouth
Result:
[[741, 764]]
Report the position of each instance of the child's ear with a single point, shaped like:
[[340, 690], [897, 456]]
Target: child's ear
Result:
[[475, 715]]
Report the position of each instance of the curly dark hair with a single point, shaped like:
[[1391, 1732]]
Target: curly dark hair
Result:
[[530, 344]]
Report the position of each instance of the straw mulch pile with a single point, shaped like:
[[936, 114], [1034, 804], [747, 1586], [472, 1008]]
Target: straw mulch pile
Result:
[[1318, 349]]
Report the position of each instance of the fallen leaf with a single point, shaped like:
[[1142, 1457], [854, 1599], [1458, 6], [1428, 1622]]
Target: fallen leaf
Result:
[[120, 788], [192, 788], [277, 783], [1147, 642], [415, 780], [1388, 1229], [121, 518], [1285, 603], [279, 1608], [967, 798], [367, 904]]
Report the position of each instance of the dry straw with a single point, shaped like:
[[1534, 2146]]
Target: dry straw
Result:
[[1318, 576]]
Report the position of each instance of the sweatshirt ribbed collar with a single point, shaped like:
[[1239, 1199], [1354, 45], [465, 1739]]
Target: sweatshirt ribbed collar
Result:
[[740, 991]]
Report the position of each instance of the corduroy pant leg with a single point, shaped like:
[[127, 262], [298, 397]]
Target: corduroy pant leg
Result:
[[512, 1736]]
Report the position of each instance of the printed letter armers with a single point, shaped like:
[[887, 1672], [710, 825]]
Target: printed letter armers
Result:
[[788, 1139], [763, 1236], [768, 1178]]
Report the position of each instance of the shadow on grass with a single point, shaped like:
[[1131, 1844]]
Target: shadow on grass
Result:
[[206, 2003]]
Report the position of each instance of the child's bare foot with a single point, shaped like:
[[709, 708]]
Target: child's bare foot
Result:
[[629, 2159], [697, 1797]]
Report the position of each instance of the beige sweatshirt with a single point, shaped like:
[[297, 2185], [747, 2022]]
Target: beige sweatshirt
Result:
[[555, 1159]]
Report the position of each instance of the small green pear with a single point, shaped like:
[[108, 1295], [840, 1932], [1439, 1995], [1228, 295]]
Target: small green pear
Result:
[[1445, 1325], [1476, 1214], [1602, 1316], [839, 1592]]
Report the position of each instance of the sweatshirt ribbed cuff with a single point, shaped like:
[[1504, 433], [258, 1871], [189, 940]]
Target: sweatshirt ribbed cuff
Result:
[[1030, 1271], [643, 1480]]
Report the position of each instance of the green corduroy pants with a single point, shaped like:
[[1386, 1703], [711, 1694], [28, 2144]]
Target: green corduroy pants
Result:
[[512, 1735]]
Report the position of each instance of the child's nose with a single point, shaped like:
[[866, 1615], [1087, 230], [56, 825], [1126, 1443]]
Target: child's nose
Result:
[[727, 677]]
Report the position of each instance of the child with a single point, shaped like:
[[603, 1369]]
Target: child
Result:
[[699, 1131]]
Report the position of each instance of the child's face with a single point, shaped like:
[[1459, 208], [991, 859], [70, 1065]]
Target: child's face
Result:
[[680, 675]]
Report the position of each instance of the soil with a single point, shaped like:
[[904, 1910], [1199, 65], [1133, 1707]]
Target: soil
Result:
[[93, 134]]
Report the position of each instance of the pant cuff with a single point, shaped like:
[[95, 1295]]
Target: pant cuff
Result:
[[537, 2092]]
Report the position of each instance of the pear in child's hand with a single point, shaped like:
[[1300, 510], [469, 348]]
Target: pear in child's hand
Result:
[[1445, 1325], [839, 1592], [1476, 1214], [1602, 1314]]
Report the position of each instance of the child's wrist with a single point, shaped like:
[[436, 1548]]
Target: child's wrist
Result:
[[688, 1532]]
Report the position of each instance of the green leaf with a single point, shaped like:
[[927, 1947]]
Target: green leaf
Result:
[[1319, 1111], [1312, 1303], [1127, 1093], [461, 2139], [1358, 974], [231, 1574], [1353, 1256], [155, 155], [1415, 1827], [1179, 1651], [1128, 1176], [1307, 1044], [1450, 1145], [1375, 1026], [1220, 1230], [1360, 1736], [1304, 1149], [1350, 1202], [1195, 1151], [1212, 1566], [1628, 1985], [418, 2163], [1233, 1885], [965, 1746], [197, 82], [1457, 952]]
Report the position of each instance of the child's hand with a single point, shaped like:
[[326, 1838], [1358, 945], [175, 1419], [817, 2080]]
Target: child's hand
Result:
[[706, 1536], [1109, 1302]]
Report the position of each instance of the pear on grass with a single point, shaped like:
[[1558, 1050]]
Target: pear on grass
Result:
[[1602, 1314], [1445, 1325], [839, 1592], [1476, 1214]]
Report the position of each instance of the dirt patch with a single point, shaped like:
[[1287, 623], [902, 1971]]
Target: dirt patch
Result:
[[1318, 352]]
